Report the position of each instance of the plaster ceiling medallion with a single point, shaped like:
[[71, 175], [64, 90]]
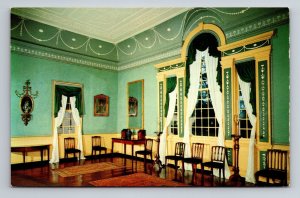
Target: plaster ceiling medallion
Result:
[[108, 24]]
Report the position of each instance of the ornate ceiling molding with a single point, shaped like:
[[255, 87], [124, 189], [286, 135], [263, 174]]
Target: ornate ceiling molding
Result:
[[59, 57]]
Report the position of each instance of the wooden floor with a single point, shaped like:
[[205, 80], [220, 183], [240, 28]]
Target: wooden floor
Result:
[[43, 176]]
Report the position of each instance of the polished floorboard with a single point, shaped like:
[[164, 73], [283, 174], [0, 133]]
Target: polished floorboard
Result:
[[43, 176]]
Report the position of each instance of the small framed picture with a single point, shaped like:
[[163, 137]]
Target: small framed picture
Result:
[[101, 105], [132, 107], [26, 104]]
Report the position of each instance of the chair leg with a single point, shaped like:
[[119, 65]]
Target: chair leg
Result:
[[223, 175], [182, 170], [145, 162], [135, 162], [212, 176], [202, 175], [220, 175], [176, 169], [166, 168], [194, 168]]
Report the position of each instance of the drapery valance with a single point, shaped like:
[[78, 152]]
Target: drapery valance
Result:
[[246, 72], [201, 43], [69, 92], [171, 85]]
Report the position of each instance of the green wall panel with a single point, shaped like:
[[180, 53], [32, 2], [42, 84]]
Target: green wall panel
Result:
[[181, 106], [227, 103], [280, 86], [161, 106], [229, 156], [262, 159], [41, 72], [148, 73], [263, 100]]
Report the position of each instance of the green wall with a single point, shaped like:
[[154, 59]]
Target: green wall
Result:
[[148, 73], [280, 86], [41, 72]]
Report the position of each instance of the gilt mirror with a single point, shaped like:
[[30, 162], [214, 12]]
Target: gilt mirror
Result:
[[135, 104]]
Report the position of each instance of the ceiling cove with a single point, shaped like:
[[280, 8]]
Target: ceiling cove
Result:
[[107, 24]]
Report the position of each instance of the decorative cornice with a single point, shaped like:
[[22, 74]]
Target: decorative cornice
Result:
[[170, 67], [59, 57], [258, 24], [170, 62], [165, 55], [247, 41], [82, 61], [246, 48]]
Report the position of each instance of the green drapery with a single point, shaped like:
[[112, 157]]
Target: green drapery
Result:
[[201, 43], [171, 85], [69, 92], [246, 72]]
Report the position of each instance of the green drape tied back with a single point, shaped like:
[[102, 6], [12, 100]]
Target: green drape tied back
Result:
[[201, 43], [69, 92], [171, 85], [246, 72]]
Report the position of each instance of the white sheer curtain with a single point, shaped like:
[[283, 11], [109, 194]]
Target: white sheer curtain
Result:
[[163, 146], [216, 97], [195, 69], [245, 89], [76, 117], [57, 122]]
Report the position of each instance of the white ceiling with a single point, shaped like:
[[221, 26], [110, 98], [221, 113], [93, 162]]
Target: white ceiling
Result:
[[108, 24]]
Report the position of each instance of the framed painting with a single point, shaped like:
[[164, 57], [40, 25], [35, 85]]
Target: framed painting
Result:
[[101, 105], [132, 106]]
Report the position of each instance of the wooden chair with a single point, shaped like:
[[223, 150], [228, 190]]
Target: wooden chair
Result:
[[69, 144], [123, 133], [141, 134], [196, 158], [276, 168], [218, 154], [97, 146], [126, 134], [178, 156], [147, 151]]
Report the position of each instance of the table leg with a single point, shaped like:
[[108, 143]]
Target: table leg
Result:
[[48, 153], [42, 158], [112, 150], [132, 157], [24, 153], [125, 155]]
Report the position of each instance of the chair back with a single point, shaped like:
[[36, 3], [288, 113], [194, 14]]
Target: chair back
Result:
[[179, 149], [69, 143], [276, 159], [141, 134], [148, 144], [197, 150], [218, 154], [123, 133], [96, 141]]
